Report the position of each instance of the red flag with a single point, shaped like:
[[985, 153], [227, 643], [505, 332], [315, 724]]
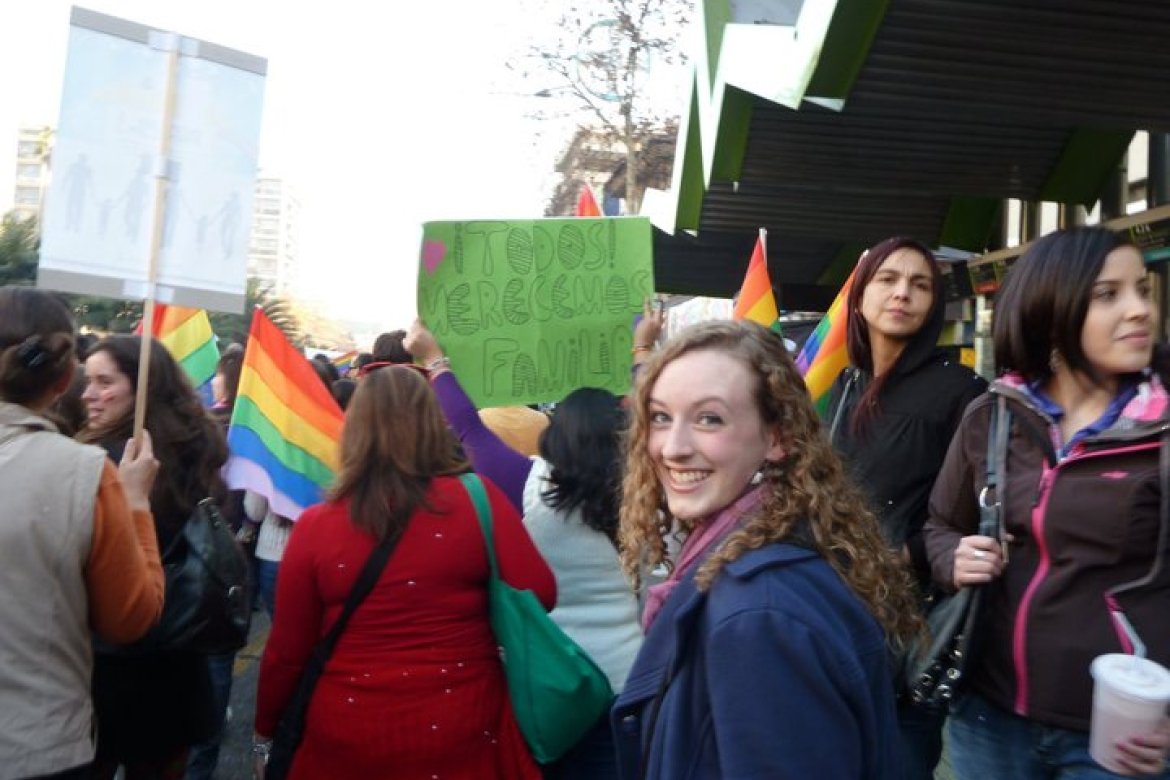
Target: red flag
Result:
[[586, 205], [756, 301]]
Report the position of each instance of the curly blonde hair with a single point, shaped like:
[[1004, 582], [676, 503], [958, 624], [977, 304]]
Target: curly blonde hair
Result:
[[810, 500]]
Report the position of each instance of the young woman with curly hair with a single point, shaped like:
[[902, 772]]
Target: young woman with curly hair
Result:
[[768, 647], [153, 706]]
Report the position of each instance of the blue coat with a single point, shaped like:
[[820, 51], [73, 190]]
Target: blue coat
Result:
[[784, 674]]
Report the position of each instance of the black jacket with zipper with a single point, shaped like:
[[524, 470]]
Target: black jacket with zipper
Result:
[[896, 459]]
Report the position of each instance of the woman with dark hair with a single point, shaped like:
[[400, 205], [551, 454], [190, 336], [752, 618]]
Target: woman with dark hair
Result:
[[153, 706], [569, 496], [892, 413], [415, 687], [77, 549], [204, 756], [1074, 574], [768, 647], [225, 385]]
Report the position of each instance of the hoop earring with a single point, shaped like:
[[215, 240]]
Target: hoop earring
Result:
[[1055, 360]]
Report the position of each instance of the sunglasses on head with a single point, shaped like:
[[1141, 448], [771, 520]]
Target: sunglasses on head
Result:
[[370, 367]]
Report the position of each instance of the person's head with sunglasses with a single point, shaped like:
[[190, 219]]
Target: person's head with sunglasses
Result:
[[388, 348], [370, 368]]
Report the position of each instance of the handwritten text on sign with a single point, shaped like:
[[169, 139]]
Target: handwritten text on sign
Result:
[[530, 310]]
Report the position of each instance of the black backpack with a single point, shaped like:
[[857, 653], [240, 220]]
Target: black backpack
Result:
[[207, 608]]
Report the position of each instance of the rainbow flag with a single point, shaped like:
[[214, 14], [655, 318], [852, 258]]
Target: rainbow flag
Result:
[[285, 426], [756, 302], [824, 356], [187, 334], [343, 362], [586, 205]]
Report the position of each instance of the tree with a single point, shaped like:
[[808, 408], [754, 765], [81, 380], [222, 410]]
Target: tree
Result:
[[230, 328], [610, 59], [105, 315], [19, 243]]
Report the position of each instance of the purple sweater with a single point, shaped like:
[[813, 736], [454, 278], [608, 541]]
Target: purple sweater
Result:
[[489, 455]]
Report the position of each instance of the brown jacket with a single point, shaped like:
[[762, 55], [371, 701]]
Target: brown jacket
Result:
[[1081, 526]]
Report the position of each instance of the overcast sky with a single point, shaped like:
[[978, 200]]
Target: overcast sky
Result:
[[381, 115]]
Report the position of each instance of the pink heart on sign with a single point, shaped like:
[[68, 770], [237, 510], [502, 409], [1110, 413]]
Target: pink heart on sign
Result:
[[433, 253]]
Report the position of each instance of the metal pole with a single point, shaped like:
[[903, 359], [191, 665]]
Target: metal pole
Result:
[[1158, 183], [1116, 194], [1071, 215], [1029, 220]]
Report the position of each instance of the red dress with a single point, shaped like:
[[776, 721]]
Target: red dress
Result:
[[415, 688]]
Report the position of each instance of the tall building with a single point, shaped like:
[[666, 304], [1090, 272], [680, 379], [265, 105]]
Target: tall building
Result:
[[274, 247], [32, 170]]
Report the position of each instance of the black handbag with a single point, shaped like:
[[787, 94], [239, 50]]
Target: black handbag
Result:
[[291, 727], [207, 607], [934, 675]]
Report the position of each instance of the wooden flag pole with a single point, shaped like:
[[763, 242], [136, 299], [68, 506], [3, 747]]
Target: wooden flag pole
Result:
[[158, 225]]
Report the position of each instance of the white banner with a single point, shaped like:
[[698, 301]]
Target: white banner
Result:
[[99, 208]]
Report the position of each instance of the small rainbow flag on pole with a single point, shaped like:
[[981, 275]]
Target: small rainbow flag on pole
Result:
[[187, 335], [824, 355], [756, 301], [285, 427], [586, 204], [344, 361]]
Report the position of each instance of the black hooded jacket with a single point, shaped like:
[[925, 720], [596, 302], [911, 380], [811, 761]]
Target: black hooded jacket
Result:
[[896, 459]]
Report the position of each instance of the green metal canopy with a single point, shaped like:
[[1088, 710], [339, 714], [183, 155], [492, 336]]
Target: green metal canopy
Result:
[[871, 118]]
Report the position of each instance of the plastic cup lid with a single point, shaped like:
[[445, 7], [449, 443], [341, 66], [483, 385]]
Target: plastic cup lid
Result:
[[1137, 678]]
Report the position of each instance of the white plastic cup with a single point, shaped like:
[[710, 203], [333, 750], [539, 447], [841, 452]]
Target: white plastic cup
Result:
[[1130, 696]]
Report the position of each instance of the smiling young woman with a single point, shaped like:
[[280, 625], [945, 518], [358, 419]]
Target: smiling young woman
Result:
[[781, 561], [1073, 334]]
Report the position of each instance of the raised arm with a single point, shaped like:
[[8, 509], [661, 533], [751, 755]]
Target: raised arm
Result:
[[488, 453]]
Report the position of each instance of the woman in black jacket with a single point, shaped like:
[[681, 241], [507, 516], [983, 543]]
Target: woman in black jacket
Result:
[[892, 413], [152, 705]]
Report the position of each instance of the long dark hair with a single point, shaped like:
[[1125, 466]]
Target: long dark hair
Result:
[[230, 366], [583, 445], [188, 443], [394, 442], [857, 341], [36, 343]]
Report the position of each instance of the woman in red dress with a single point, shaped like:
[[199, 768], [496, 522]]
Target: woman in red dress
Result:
[[414, 688]]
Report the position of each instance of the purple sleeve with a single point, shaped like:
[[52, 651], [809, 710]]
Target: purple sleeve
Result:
[[489, 455]]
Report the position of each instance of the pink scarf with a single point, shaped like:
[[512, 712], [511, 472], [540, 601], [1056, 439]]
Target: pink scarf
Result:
[[702, 540]]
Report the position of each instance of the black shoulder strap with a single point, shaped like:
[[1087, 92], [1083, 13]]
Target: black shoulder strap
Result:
[[990, 503], [371, 571]]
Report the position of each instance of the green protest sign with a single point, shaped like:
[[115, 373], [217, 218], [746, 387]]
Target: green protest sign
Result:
[[529, 310]]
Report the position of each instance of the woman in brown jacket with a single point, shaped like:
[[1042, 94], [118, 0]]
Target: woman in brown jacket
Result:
[[1073, 332], [77, 548]]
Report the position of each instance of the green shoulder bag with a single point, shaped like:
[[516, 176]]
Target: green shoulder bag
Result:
[[558, 693]]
